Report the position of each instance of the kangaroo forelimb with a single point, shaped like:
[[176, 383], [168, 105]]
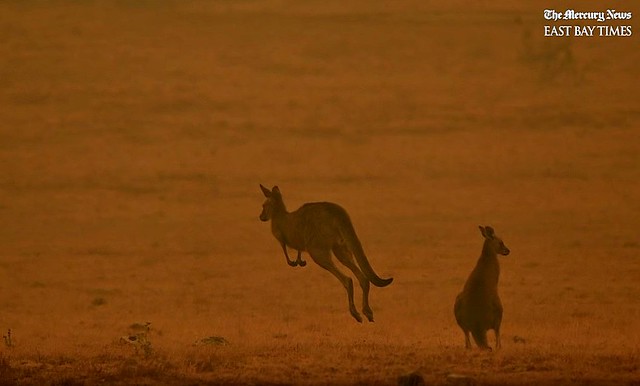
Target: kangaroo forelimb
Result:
[[299, 260], [291, 263]]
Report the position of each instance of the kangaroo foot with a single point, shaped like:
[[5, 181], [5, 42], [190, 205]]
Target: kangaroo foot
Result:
[[368, 313], [356, 315], [292, 263]]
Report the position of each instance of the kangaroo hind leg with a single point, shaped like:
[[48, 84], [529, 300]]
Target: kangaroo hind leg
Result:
[[497, 321], [322, 257], [346, 257], [467, 340]]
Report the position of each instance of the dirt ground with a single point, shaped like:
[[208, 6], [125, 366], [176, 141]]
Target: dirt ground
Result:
[[134, 136]]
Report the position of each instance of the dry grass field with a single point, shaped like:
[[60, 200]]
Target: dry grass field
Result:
[[134, 136]]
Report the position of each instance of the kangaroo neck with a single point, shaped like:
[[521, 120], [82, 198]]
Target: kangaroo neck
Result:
[[488, 261], [488, 254], [280, 216], [279, 209]]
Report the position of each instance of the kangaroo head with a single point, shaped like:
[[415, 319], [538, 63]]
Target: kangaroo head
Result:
[[493, 242], [272, 203]]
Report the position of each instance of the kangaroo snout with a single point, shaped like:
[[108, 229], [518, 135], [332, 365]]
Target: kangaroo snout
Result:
[[506, 252]]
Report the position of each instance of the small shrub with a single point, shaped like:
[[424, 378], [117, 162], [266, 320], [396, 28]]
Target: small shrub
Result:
[[7, 339]]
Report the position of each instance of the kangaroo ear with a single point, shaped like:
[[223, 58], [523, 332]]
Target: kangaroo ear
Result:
[[489, 231], [265, 191], [276, 190], [482, 231]]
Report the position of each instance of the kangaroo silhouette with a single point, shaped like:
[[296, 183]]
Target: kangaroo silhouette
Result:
[[320, 228], [478, 307]]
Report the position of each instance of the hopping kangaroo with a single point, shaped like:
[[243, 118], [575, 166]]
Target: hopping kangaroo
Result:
[[320, 228], [478, 307]]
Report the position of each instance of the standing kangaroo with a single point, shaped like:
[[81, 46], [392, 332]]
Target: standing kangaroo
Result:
[[320, 228], [478, 307]]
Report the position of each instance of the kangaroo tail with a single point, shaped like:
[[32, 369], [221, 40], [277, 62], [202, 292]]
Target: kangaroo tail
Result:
[[353, 243], [480, 337]]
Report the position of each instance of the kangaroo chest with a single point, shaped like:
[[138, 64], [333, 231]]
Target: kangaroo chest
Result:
[[288, 234], [484, 277]]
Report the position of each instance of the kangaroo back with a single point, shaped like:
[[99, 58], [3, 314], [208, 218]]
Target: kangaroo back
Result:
[[353, 243]]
